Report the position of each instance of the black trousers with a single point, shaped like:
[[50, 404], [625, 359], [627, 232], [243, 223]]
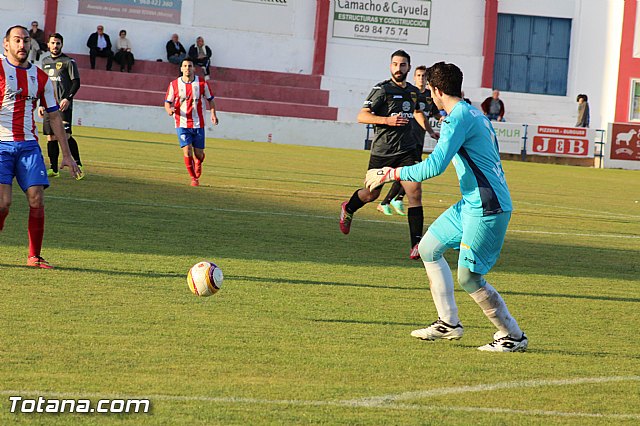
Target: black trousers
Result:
[[103, 53], [125, 59]]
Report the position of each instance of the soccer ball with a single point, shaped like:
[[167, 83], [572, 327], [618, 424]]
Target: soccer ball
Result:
[[204, 279]]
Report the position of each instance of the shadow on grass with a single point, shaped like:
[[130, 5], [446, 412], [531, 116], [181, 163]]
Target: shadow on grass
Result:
[[577, 353], [143, 216]]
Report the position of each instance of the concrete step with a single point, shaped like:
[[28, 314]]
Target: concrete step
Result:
[[217, 73], [246, 106], [226, 89]]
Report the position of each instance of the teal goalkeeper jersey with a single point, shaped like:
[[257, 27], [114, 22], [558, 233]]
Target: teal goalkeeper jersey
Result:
[[467, 138]]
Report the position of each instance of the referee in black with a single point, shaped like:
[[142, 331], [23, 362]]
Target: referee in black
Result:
[[63, 73], [391, 107]]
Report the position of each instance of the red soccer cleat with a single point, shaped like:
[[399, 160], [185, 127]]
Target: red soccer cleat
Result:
[[195, 182], [345, 219], [415, 253], [38, 262]]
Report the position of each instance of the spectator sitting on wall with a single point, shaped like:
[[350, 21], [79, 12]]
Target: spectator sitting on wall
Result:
[[583, 110], [201, 55], [37, 35], [493, 107], [99, 44], [175, 50], [123, 55]]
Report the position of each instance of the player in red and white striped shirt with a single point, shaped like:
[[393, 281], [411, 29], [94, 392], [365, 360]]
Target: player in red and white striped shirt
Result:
[[22, 85], [185, 101]]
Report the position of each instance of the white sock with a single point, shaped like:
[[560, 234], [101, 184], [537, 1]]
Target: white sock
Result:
[[496, 310], [441, 284]]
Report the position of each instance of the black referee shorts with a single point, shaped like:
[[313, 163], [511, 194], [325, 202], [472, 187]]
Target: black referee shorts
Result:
[[399, 160], [66, 121]]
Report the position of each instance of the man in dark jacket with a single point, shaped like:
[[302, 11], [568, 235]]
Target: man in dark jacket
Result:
[[201, 55], [493, 107], [99, 44], [175, 50]]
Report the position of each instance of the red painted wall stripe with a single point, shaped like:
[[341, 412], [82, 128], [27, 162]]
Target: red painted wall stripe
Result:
[[50, 16], [629, 66], [489, 45], [320, 36]]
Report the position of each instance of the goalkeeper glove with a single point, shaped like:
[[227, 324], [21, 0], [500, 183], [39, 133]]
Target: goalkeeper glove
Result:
[[378, 177]]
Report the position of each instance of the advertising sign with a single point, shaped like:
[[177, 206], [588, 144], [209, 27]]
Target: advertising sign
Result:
[[556, 141], [406, 21], [625, 142], [145, 10], [509, 137]]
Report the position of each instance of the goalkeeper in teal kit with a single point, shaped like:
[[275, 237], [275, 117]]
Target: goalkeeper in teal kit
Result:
[[476, 225]]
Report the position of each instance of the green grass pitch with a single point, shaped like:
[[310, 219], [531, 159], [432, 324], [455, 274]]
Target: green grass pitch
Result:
[[311, 326]]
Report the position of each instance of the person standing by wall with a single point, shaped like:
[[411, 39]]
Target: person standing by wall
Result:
[[583, 110]]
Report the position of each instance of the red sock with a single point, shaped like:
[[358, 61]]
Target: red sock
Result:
[[36, 230], [188, 161], [198, 165], [3, 216]]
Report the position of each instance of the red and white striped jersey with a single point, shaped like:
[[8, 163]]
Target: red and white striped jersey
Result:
[[20, 91], [188, 100]]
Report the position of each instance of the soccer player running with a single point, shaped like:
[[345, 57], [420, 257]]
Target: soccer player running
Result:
[[185, 101], [390, 107], [396, 193], [63, 73], [22, 85], [476, 225]]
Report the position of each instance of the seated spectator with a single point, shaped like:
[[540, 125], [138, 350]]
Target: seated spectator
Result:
[[175, 50], [493, 107], [123, 55], [201, 55], [99, 44], [583, 110], [37, 35]]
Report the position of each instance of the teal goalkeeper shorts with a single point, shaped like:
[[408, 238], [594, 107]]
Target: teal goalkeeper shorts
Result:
[[479, 238]]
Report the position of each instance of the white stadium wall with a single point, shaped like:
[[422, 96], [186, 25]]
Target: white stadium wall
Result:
[[283, 130], [254, 35]]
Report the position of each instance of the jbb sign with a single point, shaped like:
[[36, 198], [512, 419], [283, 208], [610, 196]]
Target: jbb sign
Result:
[[562, 141]]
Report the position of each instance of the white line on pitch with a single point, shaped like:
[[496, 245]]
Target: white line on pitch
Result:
[[272, 213], [387, 401], [376, 401]]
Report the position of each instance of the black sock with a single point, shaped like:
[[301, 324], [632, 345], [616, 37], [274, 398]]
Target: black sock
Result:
[[53, 151], [415, 216], [396, 191], [75, 153], [354, 203]]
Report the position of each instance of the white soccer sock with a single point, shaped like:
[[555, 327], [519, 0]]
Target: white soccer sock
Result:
[[496, 310], [441, 284]]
